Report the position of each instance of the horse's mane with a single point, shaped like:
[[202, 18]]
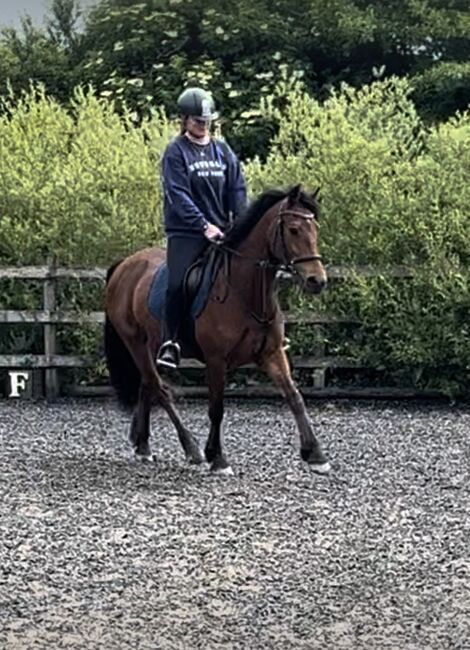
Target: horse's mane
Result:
[[246, 221]]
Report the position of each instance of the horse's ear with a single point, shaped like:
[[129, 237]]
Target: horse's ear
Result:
[[294, 194]]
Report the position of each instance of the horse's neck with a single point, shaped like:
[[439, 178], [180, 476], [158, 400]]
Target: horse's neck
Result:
[[256, 283], [257, 242]]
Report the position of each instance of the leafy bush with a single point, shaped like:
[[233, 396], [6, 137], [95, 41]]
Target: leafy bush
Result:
[[80, 185], [395, 193]]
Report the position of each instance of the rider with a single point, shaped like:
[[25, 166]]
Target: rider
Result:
[[204, 189]]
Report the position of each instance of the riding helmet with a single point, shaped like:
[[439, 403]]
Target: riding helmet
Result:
[[198, 103]]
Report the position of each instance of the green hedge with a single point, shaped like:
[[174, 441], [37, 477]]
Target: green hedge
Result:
[[82, 184], [396, 192]]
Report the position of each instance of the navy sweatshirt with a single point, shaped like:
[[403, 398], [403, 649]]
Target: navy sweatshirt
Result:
[[201, 183]]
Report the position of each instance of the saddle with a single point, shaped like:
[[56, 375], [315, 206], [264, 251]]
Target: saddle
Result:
[[198, 282]]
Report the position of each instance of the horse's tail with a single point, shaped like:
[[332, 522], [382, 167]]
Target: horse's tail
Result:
[[123, 373]]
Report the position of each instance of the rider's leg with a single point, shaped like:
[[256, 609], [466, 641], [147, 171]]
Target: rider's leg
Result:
[[181, 253]]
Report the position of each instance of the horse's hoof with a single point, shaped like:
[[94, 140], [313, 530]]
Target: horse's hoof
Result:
[[316, 460], [194, 461], [145, 458], [320, 468], [222, 471], [313, 455], [196, 457]]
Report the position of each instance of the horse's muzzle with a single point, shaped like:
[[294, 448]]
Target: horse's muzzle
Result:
[[315, 285]]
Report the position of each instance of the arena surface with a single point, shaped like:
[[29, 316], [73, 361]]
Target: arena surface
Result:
[[100, 552]]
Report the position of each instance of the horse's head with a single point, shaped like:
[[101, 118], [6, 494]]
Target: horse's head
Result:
[[294, 241]]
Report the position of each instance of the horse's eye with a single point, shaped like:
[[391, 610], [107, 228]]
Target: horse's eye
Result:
[[294, 230]]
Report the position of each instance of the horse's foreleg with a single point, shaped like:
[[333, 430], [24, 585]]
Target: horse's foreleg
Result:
[[276, 365], [214, 450]]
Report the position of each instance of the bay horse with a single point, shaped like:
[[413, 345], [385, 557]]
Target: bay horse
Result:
[[241, 322]]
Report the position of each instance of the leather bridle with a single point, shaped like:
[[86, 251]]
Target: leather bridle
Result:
[[273, 263], [287, 264], [283, 263]]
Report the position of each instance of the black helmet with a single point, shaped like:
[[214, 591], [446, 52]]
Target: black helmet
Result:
[[197, 102]]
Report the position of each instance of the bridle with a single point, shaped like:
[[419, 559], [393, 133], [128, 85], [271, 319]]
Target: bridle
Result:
[[289, 265], [272, 263]]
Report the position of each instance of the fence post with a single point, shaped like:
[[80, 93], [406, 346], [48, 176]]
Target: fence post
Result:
[[319, 374], [49, 304]]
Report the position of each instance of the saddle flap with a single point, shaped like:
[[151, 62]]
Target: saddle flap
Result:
[[200, 276], [193, 278]]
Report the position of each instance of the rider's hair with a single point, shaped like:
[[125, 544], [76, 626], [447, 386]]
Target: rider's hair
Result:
[[184, 119]]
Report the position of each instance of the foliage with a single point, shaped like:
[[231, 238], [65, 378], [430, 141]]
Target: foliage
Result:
[[442, 90], [83, 184], [396, 193], [31, 54], [142, 54], [79, 185]]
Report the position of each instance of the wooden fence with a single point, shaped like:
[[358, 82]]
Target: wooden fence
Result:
[[50, 317]]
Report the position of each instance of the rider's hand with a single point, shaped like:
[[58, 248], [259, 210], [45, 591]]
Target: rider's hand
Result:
[[213, 232]]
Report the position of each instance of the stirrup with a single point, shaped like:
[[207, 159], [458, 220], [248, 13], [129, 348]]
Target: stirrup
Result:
[[169, 355]]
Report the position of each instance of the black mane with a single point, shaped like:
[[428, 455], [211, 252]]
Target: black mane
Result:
[[246, 221]]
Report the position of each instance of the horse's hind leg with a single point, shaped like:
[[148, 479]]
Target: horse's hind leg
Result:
[[153, 389], [140, 427], [276, 366], [191, 448]]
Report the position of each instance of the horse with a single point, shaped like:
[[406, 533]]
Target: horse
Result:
[[240, 323]]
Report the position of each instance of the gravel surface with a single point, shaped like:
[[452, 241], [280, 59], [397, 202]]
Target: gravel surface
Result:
[[98, 551]]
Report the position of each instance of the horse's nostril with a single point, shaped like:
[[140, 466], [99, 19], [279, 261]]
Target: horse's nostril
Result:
[[315, 284]]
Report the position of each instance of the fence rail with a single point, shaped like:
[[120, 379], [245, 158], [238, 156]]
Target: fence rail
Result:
[[50, 317]]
